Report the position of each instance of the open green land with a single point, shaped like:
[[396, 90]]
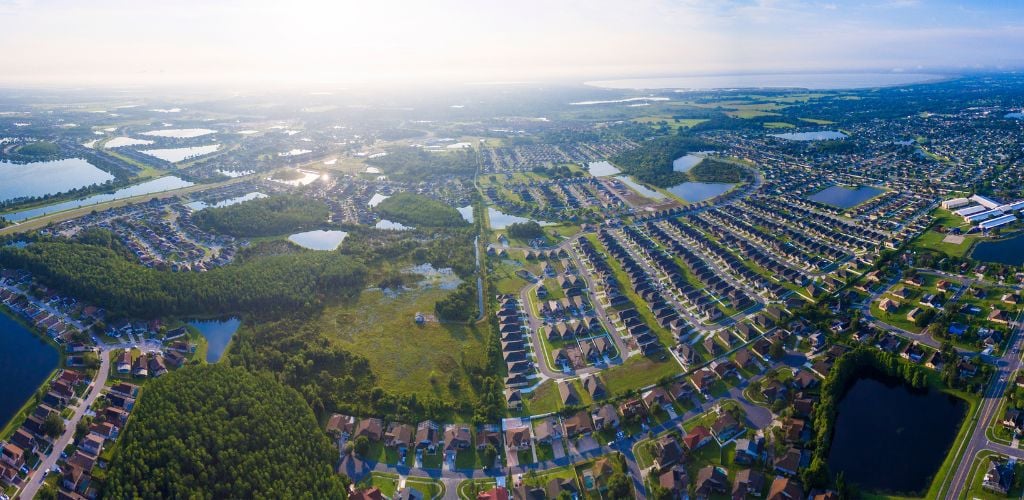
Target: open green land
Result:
[[407, 358]]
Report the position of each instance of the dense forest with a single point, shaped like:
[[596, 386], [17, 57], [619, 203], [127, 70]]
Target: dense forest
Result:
[[652, 161], [415, 164], [96, 270], [525, 230], [269, 216], [220, 432], [420, 211], [461, 305], [716, 170]]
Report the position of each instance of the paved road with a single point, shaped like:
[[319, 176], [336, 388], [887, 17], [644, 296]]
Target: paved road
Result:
[[1006, 366], [34, 480]]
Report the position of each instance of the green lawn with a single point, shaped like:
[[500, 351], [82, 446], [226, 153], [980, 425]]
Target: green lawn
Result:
[[977, 476], [778, 125], [388, 483], [433, 460], [469, 488], [816, 121], [429, 487], [639, 371], [544, 399], [408, 358]]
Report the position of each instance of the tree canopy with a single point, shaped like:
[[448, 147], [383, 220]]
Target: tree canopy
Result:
[[652, 161], [269, 216], [420, 211], [220, 432], [261, 284]]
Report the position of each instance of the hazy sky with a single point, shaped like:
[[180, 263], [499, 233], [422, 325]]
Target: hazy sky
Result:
[[73, 42]]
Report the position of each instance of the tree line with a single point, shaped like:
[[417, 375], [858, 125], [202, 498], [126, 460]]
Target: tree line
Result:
[[260, 285]]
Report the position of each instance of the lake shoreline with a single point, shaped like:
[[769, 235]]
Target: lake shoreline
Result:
[[8, 428]]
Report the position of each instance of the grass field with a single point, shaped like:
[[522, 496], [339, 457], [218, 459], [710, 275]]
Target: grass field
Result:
[[672, 123], [406, 358], [543, 399], [816, 121], [639, 371], [778, 125]]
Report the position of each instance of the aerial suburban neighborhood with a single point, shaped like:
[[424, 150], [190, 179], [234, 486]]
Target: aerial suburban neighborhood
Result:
[[781, 285]]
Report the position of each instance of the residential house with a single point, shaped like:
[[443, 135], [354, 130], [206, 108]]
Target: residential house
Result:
[[748, 482], [428, 435], [568, 393], [606, 417], [697, 437], [675, 480], [372, 428], [785, 488], [457, 437], [710, 480], [667, 452], [399, 435], [578, 424]]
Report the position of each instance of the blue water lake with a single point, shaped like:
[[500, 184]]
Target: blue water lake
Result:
[[696, 192], [466, 212], [882, 421], [1009, 251], [18, 180], [218, 334], [201, 205], [149, 187], [640, 188], [392, 225], [690, 160], [845, 197], [25, 362]]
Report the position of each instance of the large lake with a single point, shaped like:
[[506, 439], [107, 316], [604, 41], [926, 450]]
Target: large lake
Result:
[[120, 142], [890, 438], [696, 192], [845, 197], [501, 220], [218, 334], [174, 155], [1009, 251], [180, 133], [821, 81], [149, 187], [823, 135], [19, 180], [25, 362], [319, 239]]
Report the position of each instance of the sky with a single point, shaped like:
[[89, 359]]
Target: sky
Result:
[[386, 42]]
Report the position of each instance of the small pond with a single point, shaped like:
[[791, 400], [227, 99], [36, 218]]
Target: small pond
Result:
[[640, 188], [845, 197], [376, 199], [218, 334], [602, 169], [501, 220], [1008, 251], [823, 135], [466, 212], [891, 438], [1015, 116], [201, 205], [392, 225], [319, 239], [690, 160], [696, 192]]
